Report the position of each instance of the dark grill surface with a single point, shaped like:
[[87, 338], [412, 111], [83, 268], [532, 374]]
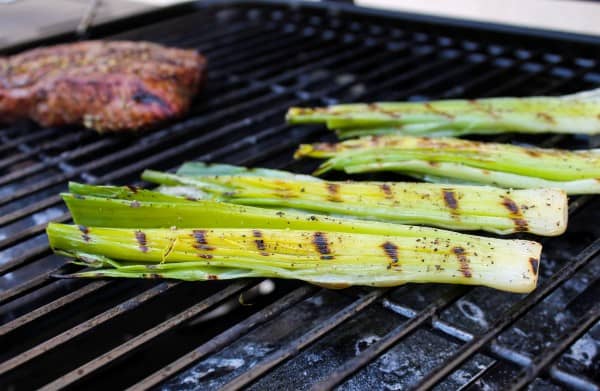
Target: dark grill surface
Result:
[[264, 58]]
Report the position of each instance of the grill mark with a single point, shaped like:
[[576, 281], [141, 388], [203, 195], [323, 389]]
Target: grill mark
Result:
[[451, 201], [535, 263], [436, 111], [521, 225], [516, 214], [391, 251], [141, 239], [333, 189], [212, 277], [532, 153], [85, 233], [259, 241], [132, 188], [546, 117], [200, 238], [509, 204], [387, 190], [484, 109], [376, 107], [320, 243], [465, 265]]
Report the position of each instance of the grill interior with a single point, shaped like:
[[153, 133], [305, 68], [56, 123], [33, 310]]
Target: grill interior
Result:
[[263, 58]]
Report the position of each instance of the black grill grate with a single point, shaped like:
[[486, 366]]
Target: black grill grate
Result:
[[263, 58]]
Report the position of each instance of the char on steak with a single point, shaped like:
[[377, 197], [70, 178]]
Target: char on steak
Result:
[[104, 85]]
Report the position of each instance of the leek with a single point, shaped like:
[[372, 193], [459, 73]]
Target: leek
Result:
[[459, 207], [461, 161], [325, 257], [576, 113]]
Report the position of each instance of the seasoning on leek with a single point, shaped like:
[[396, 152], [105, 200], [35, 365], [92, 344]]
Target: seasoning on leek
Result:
[[449, 160], [577, 113], [324, 257], [460, 207]]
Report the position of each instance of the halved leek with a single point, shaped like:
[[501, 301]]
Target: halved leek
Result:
[[461, 161], [329, 258], [576, 113], [460, 207]]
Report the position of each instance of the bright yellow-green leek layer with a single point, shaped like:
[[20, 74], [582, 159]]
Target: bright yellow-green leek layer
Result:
[[321, 257], [567, 114], [455, 160]]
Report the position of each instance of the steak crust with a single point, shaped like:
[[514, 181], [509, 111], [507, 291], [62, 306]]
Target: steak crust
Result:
[[103, 85]]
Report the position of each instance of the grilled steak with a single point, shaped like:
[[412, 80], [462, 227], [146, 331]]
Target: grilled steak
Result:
[[107, 86]]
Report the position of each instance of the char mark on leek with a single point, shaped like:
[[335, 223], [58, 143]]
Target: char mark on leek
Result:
[[201, 240], [140, 237], [334, 192], [516, 214], [85, 233], [450, 200], [391, 250], [387, 191], [535, 263], [259, 241], [321, 245], [464, 264]]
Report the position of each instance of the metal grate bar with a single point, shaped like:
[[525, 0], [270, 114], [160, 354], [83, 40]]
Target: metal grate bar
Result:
[[172, 322], [391, 338], [225, 337], [15, 142], [266, 44], [264, 55], [300, 343], [206, 35], [52, 306], [61, 142], [550, 354], [572, 380], [27, 234], [86, 326], [29, 284], [31, 254], [324, 53], [29, 209], [53, 162], [468, 349]]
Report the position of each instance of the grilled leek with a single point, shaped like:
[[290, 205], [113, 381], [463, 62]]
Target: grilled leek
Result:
[[576, 113], [323, 257], [459, 207], [451, 160]]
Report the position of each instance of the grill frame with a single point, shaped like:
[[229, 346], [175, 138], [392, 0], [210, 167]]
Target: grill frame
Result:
[[256, 82]]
